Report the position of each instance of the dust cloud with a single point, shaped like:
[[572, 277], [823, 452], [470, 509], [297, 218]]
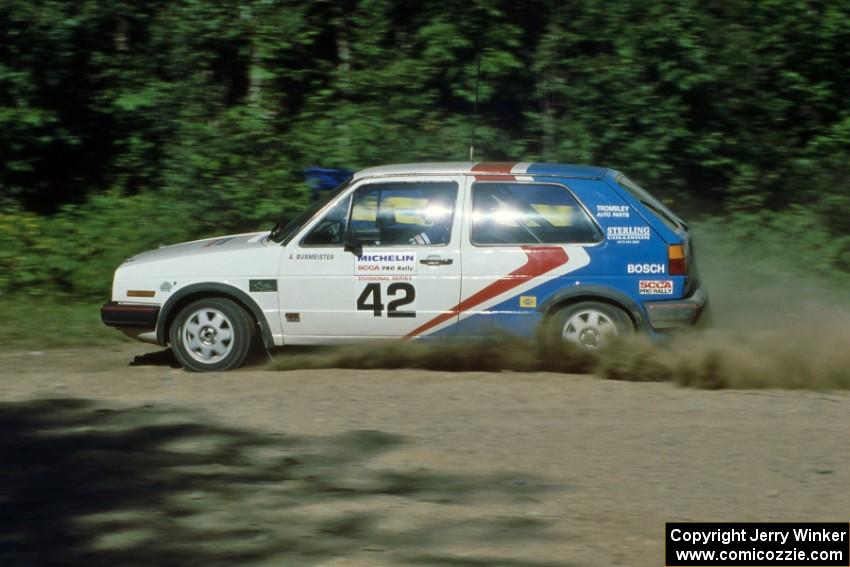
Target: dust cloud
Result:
[[770, 324], [492, 355]]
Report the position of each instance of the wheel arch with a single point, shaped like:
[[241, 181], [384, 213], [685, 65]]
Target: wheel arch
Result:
[[601, 294], [193, 292]]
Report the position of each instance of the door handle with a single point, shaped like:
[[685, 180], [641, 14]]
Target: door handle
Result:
[[436, 261]]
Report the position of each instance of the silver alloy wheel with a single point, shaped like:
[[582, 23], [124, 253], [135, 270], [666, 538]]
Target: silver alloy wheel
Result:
[[208, 335], [589, 328]]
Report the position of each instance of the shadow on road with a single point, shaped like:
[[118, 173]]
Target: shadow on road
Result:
[[165, 357], [85, 484], [162, 357]]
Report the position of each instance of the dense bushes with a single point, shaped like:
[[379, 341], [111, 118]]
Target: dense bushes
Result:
[[123, 125], [75, 251]]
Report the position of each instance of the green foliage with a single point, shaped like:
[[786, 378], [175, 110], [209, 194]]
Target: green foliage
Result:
[[126, 124], [793, 244], [46, 324], [74, 252]]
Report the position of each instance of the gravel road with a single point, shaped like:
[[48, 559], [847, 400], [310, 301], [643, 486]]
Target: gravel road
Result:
[[117, 460]]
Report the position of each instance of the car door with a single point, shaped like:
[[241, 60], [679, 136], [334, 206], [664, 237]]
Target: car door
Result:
[[403, 282], [520, 238]]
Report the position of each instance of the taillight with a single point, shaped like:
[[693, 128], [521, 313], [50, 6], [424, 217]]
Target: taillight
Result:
[[677, 261]]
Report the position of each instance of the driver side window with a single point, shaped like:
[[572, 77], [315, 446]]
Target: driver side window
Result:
[[330, 230], [406, 213]]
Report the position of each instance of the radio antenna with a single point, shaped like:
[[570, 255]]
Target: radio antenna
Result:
[[475, 111]]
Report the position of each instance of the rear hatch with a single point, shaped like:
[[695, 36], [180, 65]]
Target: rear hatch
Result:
[[681, 261]]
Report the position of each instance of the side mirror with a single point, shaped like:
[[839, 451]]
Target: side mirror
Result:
[[355, 238]]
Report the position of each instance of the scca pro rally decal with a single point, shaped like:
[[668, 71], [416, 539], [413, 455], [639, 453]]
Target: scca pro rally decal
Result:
[[646, 269], [628, 234], [399, 263], [655, 287]]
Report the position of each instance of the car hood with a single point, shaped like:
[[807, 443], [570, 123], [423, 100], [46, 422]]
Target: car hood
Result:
[[208, 246]]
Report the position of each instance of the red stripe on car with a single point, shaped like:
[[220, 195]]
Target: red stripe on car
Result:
[[498, 170], [541, 259]]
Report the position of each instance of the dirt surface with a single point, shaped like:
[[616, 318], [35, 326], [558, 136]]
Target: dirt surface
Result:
[[107, 461]]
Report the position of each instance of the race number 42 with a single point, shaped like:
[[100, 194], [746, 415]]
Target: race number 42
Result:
[[403, 294]]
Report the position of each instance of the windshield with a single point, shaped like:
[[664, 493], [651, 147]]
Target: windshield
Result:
[[286, 229], [666, 215]]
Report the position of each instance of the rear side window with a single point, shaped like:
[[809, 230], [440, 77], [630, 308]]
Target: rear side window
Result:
[[666, 216], [418, 214], [528, 213]]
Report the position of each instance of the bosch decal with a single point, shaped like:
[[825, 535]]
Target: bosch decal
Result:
[[646, 269], [655, 287]]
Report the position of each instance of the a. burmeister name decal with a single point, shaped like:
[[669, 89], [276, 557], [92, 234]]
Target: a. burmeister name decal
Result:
[[311, 256], [628, 234], [402, 263]]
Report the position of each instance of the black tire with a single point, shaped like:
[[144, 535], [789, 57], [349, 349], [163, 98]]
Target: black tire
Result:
[[211, 334], [589, 325]]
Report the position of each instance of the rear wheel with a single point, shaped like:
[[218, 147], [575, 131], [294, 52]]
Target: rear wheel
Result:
[[211, 334], [589, 325]]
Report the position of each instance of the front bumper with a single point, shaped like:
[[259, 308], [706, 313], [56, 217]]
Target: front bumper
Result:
[[129, 315], [678, 312]]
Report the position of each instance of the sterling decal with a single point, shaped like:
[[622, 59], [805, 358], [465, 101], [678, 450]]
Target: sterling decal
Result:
[[628, 234], [655, 287], [400, 263], [612, 211]]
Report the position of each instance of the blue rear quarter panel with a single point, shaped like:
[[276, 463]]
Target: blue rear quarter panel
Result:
[[617, 213]]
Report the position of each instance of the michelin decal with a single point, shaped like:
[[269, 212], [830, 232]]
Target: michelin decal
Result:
[[401, 263]]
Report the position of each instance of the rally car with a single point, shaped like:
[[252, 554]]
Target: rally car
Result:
[[420, 251]]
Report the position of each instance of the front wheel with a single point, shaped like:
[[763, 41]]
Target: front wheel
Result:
[[211, 334], [589, 325]]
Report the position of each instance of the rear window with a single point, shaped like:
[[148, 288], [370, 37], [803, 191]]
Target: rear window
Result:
[[660, 210]]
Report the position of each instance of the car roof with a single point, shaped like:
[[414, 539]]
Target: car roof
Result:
[[485, 168]]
